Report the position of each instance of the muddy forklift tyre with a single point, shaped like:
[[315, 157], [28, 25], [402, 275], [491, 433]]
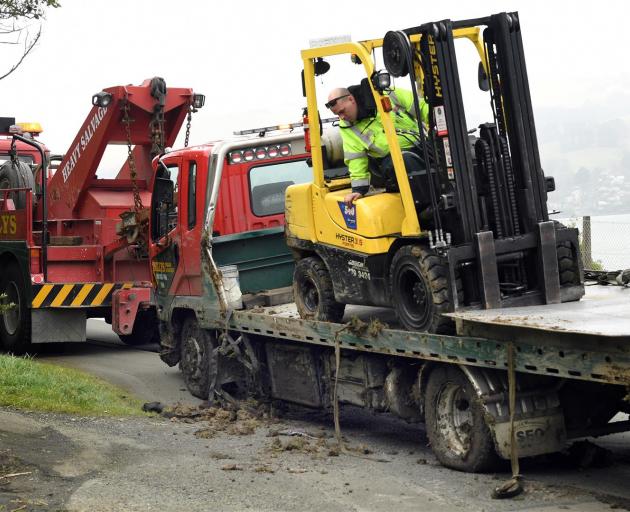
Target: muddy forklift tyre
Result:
[[17, 175], [455, 425], [145, 330], [15, 323], [419, 290], [196, 349], [313, 291]]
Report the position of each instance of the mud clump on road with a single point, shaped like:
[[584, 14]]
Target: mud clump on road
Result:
[[229, 420], [317, 447]]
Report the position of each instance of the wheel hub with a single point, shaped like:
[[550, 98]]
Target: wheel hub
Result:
[[455, 418], [11, 317], [419, 294], [311, 297], [415, 299], [193, 357]]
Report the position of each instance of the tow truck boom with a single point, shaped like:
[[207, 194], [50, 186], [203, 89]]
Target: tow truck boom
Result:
[[145, 105]]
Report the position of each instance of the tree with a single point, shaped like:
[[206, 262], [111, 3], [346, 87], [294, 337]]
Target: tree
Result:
[[18, 20]]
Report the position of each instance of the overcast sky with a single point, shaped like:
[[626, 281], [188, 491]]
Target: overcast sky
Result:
[[245, 56]]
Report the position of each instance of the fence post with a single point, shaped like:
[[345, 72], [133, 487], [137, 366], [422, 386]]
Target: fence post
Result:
[[587, 254]]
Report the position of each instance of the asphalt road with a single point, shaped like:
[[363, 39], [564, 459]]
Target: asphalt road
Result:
[[136, 369], [103, 464]]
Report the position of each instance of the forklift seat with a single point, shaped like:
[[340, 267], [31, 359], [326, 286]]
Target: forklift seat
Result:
[[365, 101]]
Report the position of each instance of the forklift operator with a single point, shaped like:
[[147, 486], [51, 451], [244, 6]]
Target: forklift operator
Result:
[[366, 152]]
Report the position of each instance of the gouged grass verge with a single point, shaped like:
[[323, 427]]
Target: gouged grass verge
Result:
[[34, 386]]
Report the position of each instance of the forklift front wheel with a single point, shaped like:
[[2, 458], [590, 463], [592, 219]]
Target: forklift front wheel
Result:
[[419, 290], [313, 291]]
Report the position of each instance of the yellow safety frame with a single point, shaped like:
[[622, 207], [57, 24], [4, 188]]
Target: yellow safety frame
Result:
[[410, 225]]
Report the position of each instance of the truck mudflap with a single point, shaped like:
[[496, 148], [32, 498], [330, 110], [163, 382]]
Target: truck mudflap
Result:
[[539, 420]]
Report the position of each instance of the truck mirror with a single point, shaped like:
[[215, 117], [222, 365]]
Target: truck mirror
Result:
[[482, 78]]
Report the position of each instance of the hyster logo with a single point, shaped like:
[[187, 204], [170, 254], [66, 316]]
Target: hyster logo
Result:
[[435, 70], [86, 136], [8, 225]]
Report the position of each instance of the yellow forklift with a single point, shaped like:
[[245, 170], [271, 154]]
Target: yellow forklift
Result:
[[470, 229]]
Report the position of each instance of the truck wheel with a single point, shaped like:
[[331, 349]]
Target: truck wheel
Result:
[[15, 323], [17, 176], [457, 431], [145, 330], [313, 291], [419, 290], [196, 348]]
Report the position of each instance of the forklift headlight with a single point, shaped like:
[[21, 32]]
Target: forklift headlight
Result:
[[198, 100], [381, 80], [101, 99]]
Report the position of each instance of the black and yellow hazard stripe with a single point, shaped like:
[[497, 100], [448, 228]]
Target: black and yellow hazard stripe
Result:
[[75, 295]]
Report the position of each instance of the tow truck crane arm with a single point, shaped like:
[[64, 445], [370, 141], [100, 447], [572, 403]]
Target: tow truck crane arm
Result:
[[156, 114]]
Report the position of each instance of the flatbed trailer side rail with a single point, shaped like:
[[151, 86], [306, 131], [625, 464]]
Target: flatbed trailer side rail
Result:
[[609, 363]]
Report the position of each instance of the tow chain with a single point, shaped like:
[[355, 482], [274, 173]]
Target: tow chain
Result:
[[137, 200], [188, 122], [158, 91]]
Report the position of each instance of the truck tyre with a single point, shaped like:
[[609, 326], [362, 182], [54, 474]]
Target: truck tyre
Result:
[[196, 348], [15, 323], [18, 175], [455, 424], [313, 291], [145, 329], [419, 290]]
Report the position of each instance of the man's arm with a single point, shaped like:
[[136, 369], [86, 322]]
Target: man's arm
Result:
[[405, 100], [356, 158]]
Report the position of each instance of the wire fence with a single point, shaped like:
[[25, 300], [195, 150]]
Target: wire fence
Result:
[[604, 241]]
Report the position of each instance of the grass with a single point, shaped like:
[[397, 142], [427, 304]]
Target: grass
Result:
[[30, 385]]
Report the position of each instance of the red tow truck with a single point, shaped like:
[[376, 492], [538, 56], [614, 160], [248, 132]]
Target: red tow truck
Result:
[[72, 245]]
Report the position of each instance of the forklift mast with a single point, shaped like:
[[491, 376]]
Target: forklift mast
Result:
[[488, 192]]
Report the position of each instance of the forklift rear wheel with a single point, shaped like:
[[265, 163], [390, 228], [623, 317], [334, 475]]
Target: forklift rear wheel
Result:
[[313, 291], [15, 323], [455, 424], [145, 329], [419, 290], [196, 348]]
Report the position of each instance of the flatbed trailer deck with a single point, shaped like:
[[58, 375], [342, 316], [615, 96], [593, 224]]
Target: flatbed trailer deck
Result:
[[586, 340]]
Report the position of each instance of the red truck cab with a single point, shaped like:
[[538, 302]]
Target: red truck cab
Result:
[[252, 174]]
